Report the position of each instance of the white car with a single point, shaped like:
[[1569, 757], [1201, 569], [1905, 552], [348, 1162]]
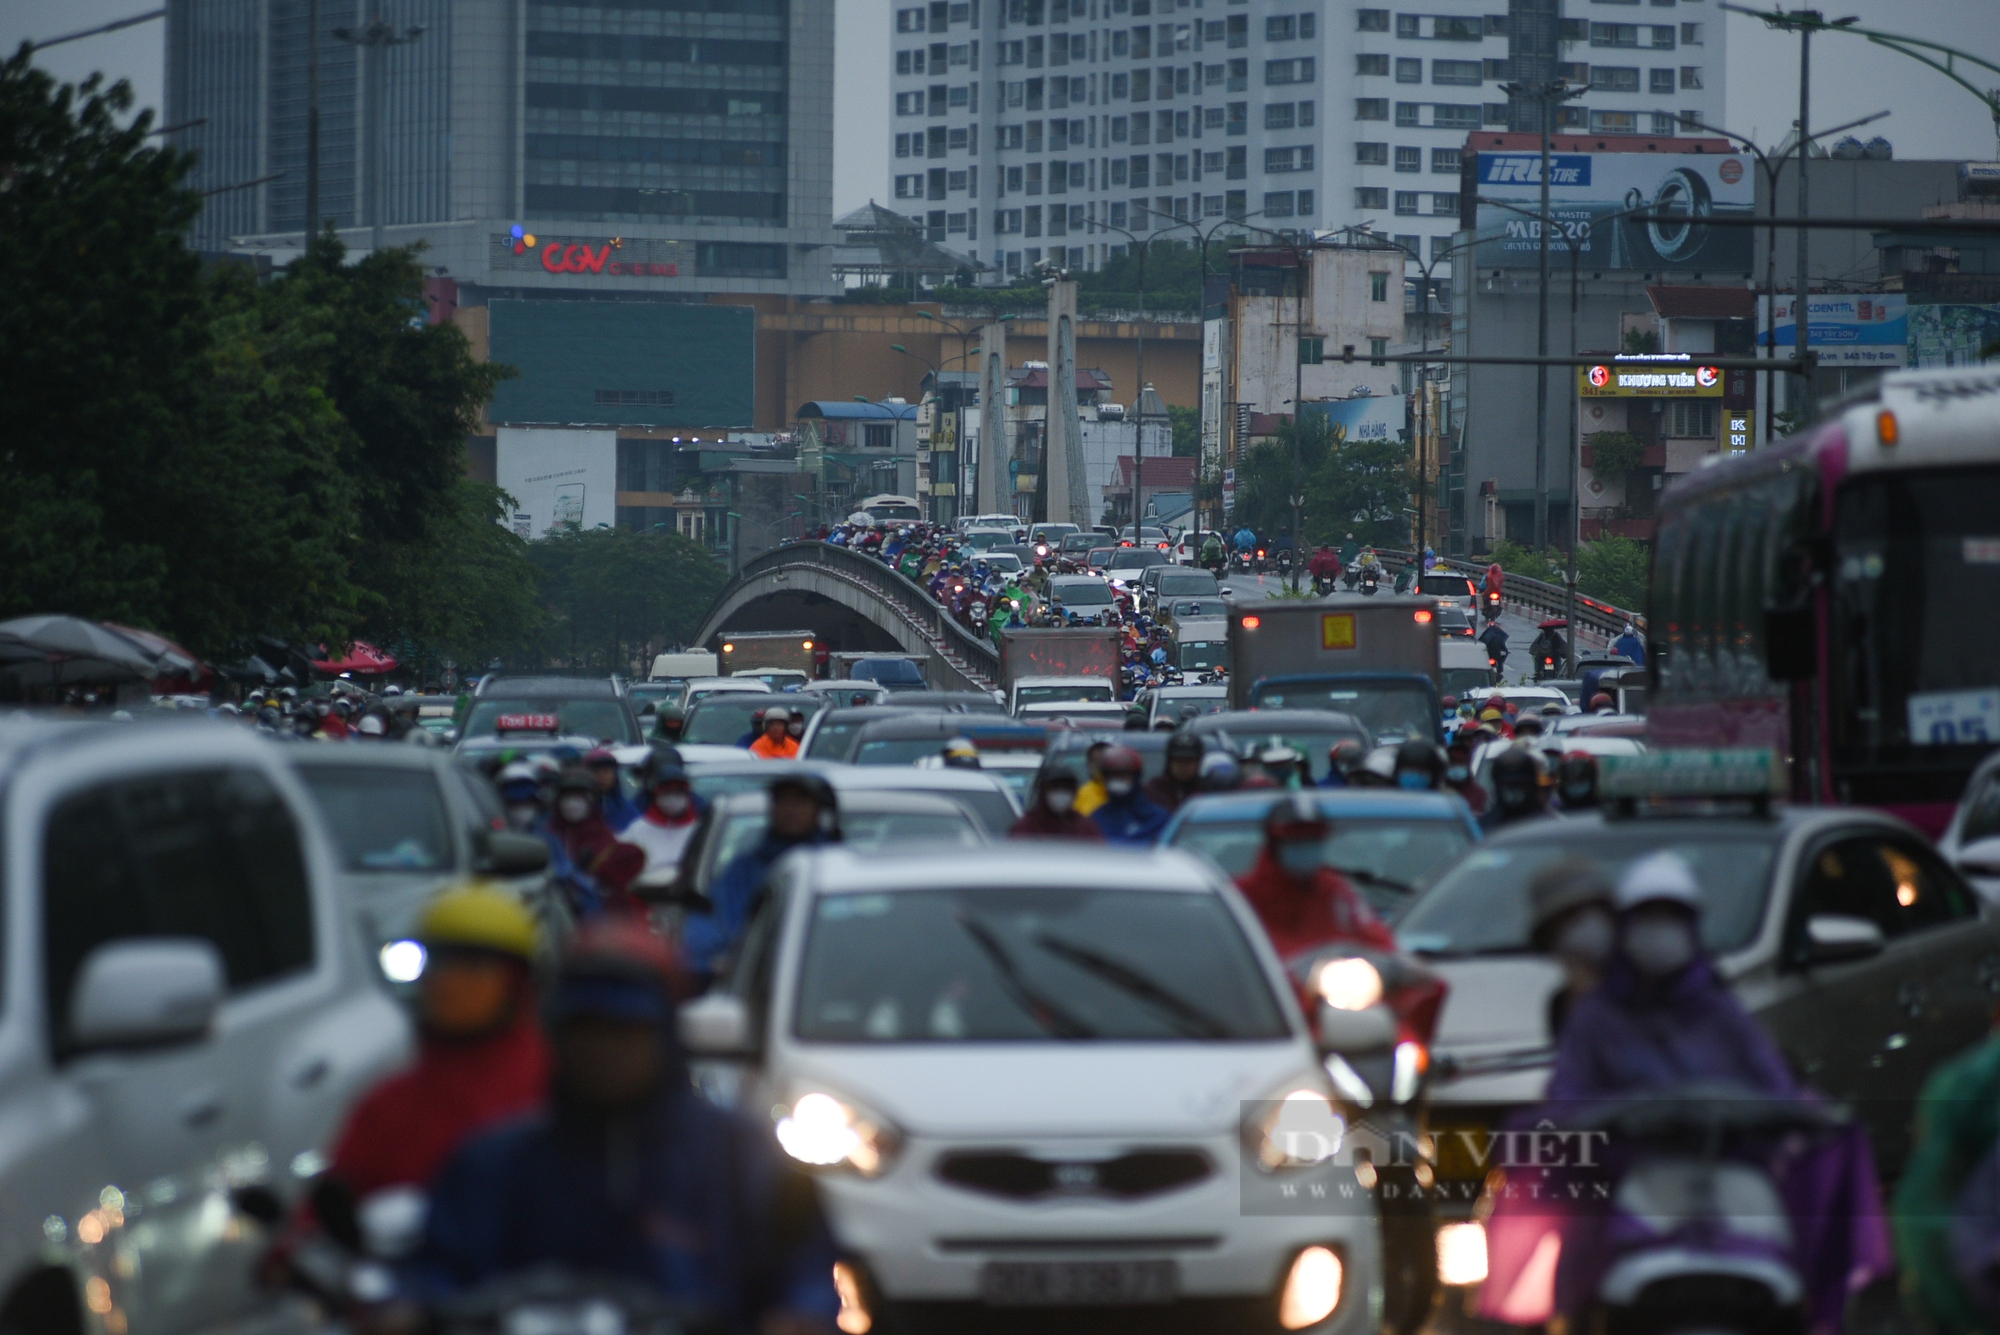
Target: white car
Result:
[[188, 1012], [1046, 1078], [700, 686], [1025, 691], [1972, 841]]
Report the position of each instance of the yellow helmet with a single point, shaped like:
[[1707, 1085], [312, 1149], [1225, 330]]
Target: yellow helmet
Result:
[[479, 916]]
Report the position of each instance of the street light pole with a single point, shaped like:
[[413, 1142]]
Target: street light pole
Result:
[[373, 40], [312, 121]]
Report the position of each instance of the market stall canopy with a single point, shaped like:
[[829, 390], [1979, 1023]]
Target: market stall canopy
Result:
[[56, 649], [364, 659]]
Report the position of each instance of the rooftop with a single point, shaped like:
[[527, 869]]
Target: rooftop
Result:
[[1690, 302]]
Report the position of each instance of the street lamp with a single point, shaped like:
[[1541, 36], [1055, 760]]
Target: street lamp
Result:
[[373, 40]]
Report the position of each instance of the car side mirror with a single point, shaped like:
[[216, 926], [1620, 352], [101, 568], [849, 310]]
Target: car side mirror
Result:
[[717, 1025], [145, 993], [507, 853], [1981, 857], [1833, 938], [1791, 649]]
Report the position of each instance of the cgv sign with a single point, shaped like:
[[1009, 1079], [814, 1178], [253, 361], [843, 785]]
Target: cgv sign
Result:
[[616, 257]]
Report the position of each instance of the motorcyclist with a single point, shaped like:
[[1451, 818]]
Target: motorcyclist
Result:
[[520, 789], [1630, 645], [959, 753], [1517, 790], [583, 836], [1324, 565], [1495, 640], [1090, 794], [1282, 765], [1128, 816], [1576, 782], [1211, 551], [1302, 902], [803, 813], [1957, 1127], [775, 740], [1349, 549], [1341, 759], [617, 809], [670, 818], [1548, 645], [1419, 767], [1246, 541], [1491, 589], [1220, 773], [1571, 906], [1458, 772], [631, 1173], [1182, 777], [1054, 815]]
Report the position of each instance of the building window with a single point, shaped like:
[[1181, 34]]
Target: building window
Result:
[[1614, 34], [1663, 37], [1440, 247], [1410, 244], [1690, 34], [1211, 206], [1409, 159], [909, 104], [1663, 122], [1614, 79], [910, 187], [1371, 155], [1142, 167], [1305, 113], [1235, 203], [1238, 166], [1280, 116], [956, 140], [1378, 286], [902, 146], [1289, 71], [1378, 347], [1444, 205], [1371, 20], [1371, 197], [1120, 129], [1458, 73], [1407, 114], [1690, 76], [954, 181], [1278, 204], [910, 62], [1032, 218], [1212, 163], [1371, 108], [1371, 64], [1406, 203], [1239, 31], [1660, 81], [1692, 419], [1239, 76], [960, 95], [1614, 122], [1288, 159], [1409, 71], [1444, 161], [909, 20], [1118, 218], [1455, 116], [1305, 203], [1239, 118], [1281, 28]]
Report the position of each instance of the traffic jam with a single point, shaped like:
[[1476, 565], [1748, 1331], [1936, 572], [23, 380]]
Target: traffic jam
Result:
[[1191, 940]]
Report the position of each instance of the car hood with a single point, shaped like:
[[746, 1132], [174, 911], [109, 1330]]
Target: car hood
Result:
[[1497, 1008], [387, 903], [1054, 1089]]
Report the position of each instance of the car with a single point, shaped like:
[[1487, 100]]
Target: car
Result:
[[907, 736], [986, 797], [577, 706], [1391, 844], [1972, 840], [1450, 589], [1168, 583], [1528, 699], [1017, 769], [1025, 691], [1050, 534], [962, 702], [830, 733], [189, 1015], [986, 539], [1175, 610], [1170, 702], [1464, 669], [435, 715], [1076, 545], [894, 671], [1110, 713], [1312, 732], [1200, 645], [407, 822], [778, 679], [1605, 725], [1861, 951], [1044, 1084], [698, 687], [649, 697], [1553, 746], [1082, 595], [1126, 564], [1005, 564], [847, 693], [1097, 558], [1454, 623], [725, 719]]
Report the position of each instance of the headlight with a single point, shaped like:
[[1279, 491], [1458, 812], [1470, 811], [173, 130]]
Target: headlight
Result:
[[1348, 984], [1461, 1253], [829, 1132], [1312, 1289], [402, 961], [1295, 1130]]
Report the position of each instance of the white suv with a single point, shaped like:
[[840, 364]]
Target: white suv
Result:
[[186, 1011], [1046, 1077]]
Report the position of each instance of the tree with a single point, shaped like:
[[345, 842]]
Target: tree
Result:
[[612, 596], [1187, 431], [1615, 570], [1360, 487], [1613, 454], [1518, 559]]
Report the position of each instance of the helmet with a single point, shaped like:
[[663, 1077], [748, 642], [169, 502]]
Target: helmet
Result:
[[1220, 772], [1417, 754], [1448, 703], [618, 968], [1381, 764], [1602, 701], [576, 781], [812, 785], [1295, 816], [371, 726], [1344, 754], [600, 757], [1514, 770], [1577, 775], [479, 916], [1665, 876], [1120, 760], [1185, 746], [1569, 884], [961, 754], [1276, 753]]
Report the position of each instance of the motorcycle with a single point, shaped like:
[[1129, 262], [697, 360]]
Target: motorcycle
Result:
[[1285, 564], [1370, 580], [1350, 577], [1490, 601], [554, 1301], [1322, 585], [1374, 1016]]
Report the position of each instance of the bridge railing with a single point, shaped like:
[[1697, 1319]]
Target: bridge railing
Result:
[[911, 600], [1540, 596]]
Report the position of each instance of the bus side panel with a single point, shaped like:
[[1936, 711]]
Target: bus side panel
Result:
[[1763, 722]]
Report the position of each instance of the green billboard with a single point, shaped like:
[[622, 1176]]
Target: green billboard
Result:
[[624, 363]]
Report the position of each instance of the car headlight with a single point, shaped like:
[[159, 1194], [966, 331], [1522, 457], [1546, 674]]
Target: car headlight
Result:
[[1296, 1129], [824, 1131], [1350, 984], [402, 961]]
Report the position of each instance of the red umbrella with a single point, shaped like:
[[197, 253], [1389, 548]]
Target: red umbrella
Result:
[[1554, 623], [362, 658]]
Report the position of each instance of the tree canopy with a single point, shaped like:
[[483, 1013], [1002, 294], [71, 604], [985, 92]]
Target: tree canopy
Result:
[[1358, 487]]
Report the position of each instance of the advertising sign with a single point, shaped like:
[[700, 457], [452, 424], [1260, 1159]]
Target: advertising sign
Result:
[[1585, 189], [1380, 417], [1948, 335], [587, 256], [1662, 376], [557, 477], [1847, 329]]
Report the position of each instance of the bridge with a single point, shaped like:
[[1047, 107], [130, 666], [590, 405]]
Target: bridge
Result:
[[851, 603]]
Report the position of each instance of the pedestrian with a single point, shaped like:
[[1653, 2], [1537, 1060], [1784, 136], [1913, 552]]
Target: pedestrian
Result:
[[1053, 814]]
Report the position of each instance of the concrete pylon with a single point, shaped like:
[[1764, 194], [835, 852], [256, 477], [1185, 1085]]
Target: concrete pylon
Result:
[[993, 444], [1069, 498]]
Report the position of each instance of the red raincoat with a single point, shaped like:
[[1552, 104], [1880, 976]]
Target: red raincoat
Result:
[[1299, 917]]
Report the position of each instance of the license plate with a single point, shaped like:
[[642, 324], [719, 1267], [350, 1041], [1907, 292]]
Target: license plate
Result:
[[1065, 1283]]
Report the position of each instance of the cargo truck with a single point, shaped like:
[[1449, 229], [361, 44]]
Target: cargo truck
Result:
[[1048, 665], [1374, 658], [751, 651]]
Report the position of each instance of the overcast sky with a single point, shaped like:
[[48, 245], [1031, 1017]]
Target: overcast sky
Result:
[[1932, 117]]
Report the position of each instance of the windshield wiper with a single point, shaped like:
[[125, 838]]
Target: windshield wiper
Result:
[[1374, 878], [1048, 1014], [1188, 1017]]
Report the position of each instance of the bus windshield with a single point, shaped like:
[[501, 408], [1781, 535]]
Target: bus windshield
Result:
[[1916, 574]]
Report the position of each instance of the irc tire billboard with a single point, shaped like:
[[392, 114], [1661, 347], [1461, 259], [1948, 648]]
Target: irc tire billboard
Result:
[[1587, 190]]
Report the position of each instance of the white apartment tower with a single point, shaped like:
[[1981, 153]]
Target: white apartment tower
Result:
[[1058, 129]]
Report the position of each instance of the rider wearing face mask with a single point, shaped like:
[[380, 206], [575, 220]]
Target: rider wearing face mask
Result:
[[1458, 773], [1574, 922], [803, 812], [1576, 781], [1128, 816], [1419, 768], [1054, 814], [1517, 789], [1302, 902], [671, 815], [586, 840], [520, 791], [1182, 777]]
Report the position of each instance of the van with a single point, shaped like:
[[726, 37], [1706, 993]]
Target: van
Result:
[[1463, 667], [683, 664]]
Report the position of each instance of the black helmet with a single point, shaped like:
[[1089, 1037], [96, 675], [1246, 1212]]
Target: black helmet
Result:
[[820, 791], [1120, 760], [1514, 773], [1417, 754], [576, 780], [1185, 746], [1577, 776]]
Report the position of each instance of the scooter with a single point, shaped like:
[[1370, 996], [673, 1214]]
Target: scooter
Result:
[[1350, 577], [1490, 601], [1374, 1016], [1322, 585], [1370, 580]]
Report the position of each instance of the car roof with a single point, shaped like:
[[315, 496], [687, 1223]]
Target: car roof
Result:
[[1069, 739], [1192, 692], [858, 713], [369, 757], [1357, 803], [573, 688], [908, 723], [723, 685], [1058, 680], [1014, 864], [1783, 822], [869, 800], [1276, 720], [947, 700]]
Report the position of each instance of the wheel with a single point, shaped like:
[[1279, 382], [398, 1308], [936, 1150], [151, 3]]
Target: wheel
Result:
[[1409, 1252]]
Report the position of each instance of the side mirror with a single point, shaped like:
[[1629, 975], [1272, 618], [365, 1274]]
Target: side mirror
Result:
[[717, 1025], [1981, 857], [1791, 649], [145, 992], [1832, 938], [506, 853]]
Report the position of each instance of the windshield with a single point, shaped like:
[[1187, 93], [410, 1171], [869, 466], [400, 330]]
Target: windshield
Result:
[[1445, 586], [1480, 907], [899, 750], [1136, 559], [1173, 586], [883, 513], [1074, 761], [1201, 654], [603, 719], [888, 671], [862, 831], [1401, 857], [1200, 607], [1171, 702], [1916, 663], [1055, 695], [1392, 710], [1083, 593], [831, 740], [982, 538], [383, 820], [1013, 966], [721, 720], [1462, 682]]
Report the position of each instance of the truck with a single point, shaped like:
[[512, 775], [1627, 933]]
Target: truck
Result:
[[1201, 644], [743, 652], [1375, 658], [1040, 665], [680, 665]]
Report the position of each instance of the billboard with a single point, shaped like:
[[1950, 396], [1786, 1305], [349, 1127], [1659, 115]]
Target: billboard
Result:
[[1949, 335], [557, 477], [1380, 417], [624, 363], [1846, 329], [1659, 376], [1587, 189]]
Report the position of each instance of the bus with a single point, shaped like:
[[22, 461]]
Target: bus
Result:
[[892, 509], [1834, 597]]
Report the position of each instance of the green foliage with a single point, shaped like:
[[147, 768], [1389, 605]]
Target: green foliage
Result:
[[1518, 559], [613, 596], [1613, 454], [1638, 342], [1358, 487], [1615, 570], [1187, 431]]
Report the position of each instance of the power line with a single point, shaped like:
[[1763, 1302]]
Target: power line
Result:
[[113, 26]]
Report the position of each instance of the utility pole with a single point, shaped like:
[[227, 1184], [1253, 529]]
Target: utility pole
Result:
[[1801, 314], [373, 40], [312, 121]]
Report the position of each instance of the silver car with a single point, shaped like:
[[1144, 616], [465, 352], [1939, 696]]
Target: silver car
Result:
[[188, 1011]]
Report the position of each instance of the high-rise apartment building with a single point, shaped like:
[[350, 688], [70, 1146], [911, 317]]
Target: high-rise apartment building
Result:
[[654, 147], [1042, 129]]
